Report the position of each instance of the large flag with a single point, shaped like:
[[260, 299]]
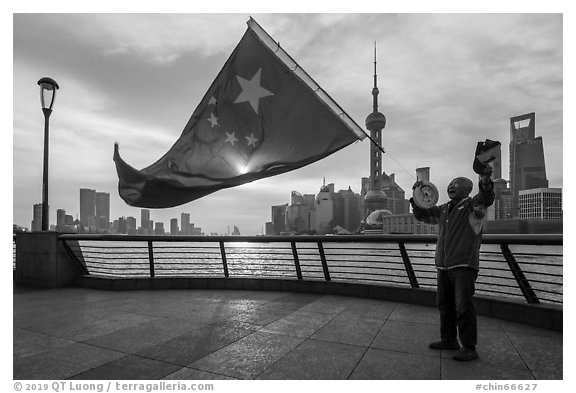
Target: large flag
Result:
[[262, 116]]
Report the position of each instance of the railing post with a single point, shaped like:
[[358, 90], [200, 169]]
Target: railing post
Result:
[[296, 260], [518, 274], [324, 263], [408, 266], [224, 262], [151, 258]]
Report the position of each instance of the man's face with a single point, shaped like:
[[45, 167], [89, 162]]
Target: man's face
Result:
[[458, 188]]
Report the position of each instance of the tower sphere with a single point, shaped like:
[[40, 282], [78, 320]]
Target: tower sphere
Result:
[[375, 121]]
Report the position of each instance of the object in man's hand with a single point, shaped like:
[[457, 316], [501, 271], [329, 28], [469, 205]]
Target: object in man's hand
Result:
[[485, 154], [425, 195]]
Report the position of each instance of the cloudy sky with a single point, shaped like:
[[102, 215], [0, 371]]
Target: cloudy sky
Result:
[[446, 81]]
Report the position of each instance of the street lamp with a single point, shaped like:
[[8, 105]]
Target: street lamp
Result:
[[48, 87]]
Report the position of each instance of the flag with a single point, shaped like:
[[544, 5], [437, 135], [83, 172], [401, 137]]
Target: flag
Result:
[[262, 116]]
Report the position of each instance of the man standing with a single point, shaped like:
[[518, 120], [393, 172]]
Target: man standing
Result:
[[457, 260]]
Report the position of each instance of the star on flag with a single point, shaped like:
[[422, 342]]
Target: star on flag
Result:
[[231, 138], [252, 91], [213, 120], [251, 140]]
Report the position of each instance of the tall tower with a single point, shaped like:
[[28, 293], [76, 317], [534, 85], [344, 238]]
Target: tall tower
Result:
[[527, 166], [375, 122], [102, 210], [185, 223], [145, 224], [87, 207]]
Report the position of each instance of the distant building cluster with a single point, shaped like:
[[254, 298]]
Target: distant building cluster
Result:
[[331, 212], [317, 213], [95, 218], [526, 194]]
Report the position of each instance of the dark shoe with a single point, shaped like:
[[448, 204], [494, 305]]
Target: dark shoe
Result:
[[465, 354], [444, 345]]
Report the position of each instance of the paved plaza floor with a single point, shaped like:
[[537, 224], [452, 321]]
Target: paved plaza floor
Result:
[[87, 334]]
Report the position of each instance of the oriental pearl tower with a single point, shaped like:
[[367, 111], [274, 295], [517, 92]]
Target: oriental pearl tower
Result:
[[375, 198]]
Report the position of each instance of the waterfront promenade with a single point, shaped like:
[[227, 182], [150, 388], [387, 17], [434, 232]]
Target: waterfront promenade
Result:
[[80, 333]]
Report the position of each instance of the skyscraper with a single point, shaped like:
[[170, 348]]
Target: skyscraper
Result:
[[36, 218], [60, 219], [395, 201], [375, 122], [185, 223], [541, 203], [145, 226], [527, 166], [87, 207], [159, 228], [278, 219], [347, 209], [131, 225], [174, 226], [324, 211], [102, 210]]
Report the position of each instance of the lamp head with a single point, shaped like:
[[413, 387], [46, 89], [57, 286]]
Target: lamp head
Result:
[[48, 87]]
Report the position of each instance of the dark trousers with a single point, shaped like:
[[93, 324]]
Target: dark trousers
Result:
[[454, 301]]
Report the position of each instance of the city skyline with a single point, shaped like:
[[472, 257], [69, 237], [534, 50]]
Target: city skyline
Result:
[[446, 81]]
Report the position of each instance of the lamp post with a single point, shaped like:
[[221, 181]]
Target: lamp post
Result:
[[48, 87]]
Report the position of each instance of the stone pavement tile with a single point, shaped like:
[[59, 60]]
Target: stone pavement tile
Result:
[[350, 329], [248, 357], [405, 312], [476, 369], [513, 327], [542, 354], [211, 314], [261, 316], [48, 317], [370, 309], [329, 304], [380, 364], [316, 360], [485, 323], [77, 328], [129, 367], [409, 337], [186, 373], [187, 348], [26, 342], [63, 362], [298, 324], [546, 376], [241, 305], [495, 348], [136, 338], [293, 301]]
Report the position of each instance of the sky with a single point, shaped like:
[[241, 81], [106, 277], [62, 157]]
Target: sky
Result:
[[446, 82]]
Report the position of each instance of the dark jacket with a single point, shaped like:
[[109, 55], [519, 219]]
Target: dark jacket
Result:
[[460, 228]]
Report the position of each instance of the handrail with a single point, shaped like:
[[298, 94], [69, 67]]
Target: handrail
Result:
[[373, 259], [540, 239]]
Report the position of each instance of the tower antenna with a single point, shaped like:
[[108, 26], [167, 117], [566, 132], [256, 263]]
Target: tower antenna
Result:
[[375, 90]]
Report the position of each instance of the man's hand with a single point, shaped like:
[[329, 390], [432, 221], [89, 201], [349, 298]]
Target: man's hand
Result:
[[485, 178]]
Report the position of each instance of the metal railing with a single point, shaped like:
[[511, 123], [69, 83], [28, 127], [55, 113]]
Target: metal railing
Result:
[[525, 267]]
